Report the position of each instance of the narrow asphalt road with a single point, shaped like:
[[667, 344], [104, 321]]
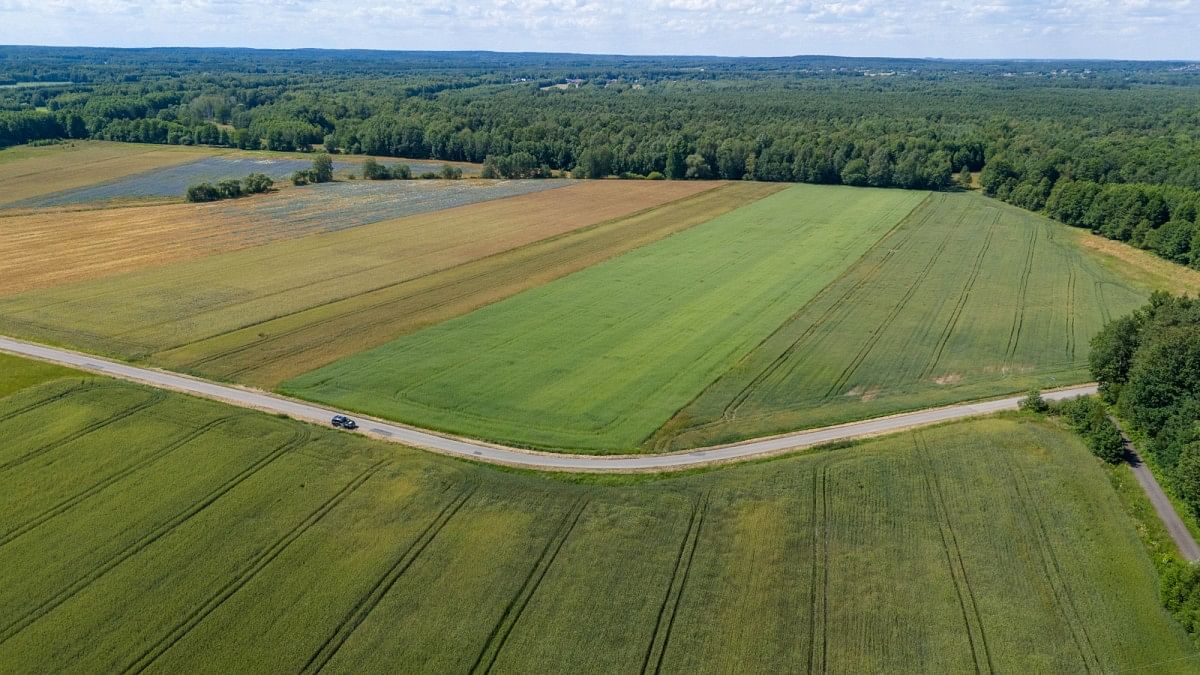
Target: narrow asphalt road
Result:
[[1184, 540], [498, 454]]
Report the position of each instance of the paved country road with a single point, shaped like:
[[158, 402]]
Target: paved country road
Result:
[[1162, 505], [498, 454]]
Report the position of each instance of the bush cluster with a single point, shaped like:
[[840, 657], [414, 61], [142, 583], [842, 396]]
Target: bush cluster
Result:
[[230, 188], [373, 170], [321, 172]]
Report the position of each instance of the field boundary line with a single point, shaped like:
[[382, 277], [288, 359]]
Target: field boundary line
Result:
[[249, 571], [13, 628], [877, 333], [516, 606], [366, 604], [830, 311], [381, 287]]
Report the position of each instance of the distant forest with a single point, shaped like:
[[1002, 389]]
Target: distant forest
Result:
[[1108, 145]]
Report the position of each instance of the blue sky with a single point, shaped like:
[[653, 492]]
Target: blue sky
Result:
[[1141, 29]]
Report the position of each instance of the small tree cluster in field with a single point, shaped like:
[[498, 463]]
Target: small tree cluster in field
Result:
[[321, 172], [1088, 416], [230, 188], [373, 170]]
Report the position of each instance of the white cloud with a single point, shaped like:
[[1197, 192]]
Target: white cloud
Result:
[[950, 28]]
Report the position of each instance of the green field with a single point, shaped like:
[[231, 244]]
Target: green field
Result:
[[17, 373], [142, 530], [808, 307], [969, 298], [598, 360]]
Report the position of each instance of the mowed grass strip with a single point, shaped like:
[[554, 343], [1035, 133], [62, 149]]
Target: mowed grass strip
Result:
[[136, 314], [968, 298], [29, 172], [222, 539], [270, 352], [598, 360], [88, 244]]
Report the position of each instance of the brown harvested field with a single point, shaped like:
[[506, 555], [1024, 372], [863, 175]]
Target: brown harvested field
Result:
[[1142, 266], [268, 353], [88, 243], [30, 172], [137, 314], [55, 246]]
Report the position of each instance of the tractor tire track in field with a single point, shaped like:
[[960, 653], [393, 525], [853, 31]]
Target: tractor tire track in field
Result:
[[366, 604], [8, 631], [516, 607], [954, 561], [86, 385], [154, 399], [731, 409], [963, 298], [1052, 572], [877, 334], [818, 609], [840, 305], [661, 637], [72, 501], [1070, 312], [251, 570], [1018, 322]]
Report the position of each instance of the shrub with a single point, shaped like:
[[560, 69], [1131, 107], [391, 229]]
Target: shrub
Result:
[[301, 177], [655, 175], [256, 183], [1034, 402], [1088, 416], [450, 172], [230, 188], [322, 169], [203, 192]]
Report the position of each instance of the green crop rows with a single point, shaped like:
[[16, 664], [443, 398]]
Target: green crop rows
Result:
[[142, 530], [598, 360]]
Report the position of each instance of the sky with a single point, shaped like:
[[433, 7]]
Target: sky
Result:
[[1118, 29]]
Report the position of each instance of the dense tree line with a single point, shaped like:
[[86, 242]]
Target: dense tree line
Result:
[[1112, 146], [1148, 366]]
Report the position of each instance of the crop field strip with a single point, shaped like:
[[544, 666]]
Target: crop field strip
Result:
[[91, 244], [304, 546], [135, 314], [968, 298], [131, 172], [32, 172], [268, 353], [641, 333]]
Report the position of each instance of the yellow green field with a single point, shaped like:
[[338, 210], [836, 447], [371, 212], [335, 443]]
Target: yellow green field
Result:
[[144, 531], [136, 314]]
